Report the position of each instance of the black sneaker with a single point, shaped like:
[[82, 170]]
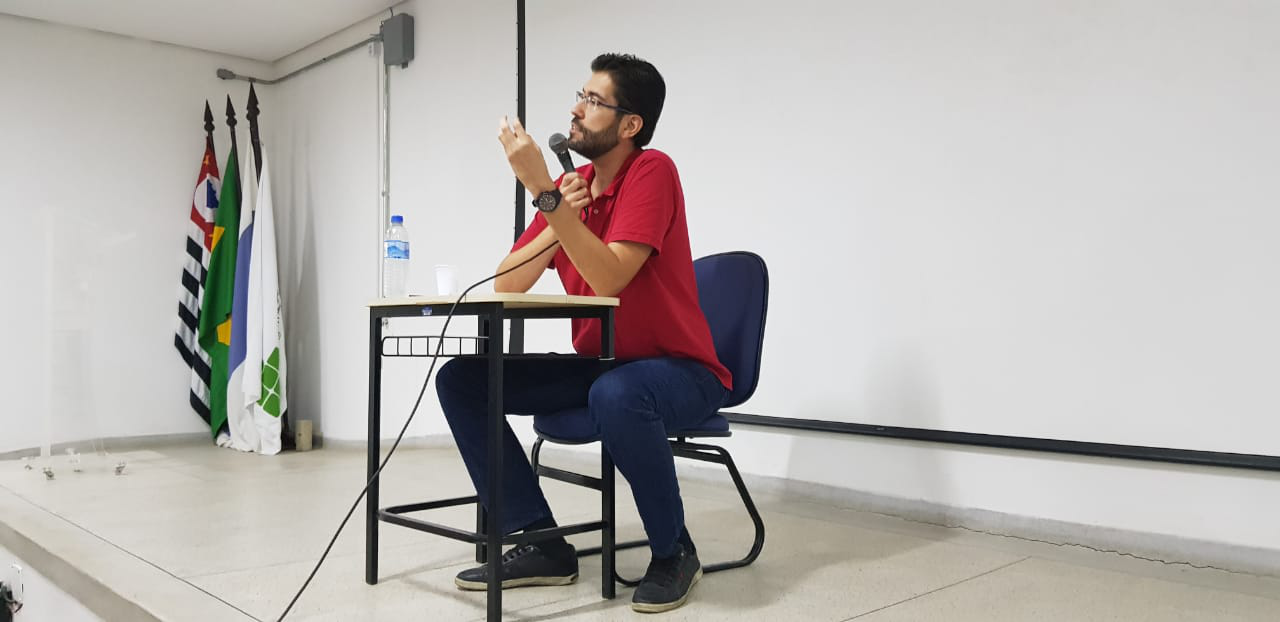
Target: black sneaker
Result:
[[667, 582], [527, 564]]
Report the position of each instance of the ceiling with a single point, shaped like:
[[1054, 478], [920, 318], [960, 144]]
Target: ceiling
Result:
[[263, 30]]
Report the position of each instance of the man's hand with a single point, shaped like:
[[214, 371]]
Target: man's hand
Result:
[[525, 157], [575, 193]]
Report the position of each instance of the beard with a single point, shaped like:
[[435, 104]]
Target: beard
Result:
[[592, 145]]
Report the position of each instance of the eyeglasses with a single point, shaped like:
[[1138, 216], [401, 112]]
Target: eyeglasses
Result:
[[594, 102]]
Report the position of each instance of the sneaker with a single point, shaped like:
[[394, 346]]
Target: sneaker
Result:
[[526, 564], [667, 582]]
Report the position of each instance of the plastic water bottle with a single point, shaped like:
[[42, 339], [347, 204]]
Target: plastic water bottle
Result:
[[395, 260]]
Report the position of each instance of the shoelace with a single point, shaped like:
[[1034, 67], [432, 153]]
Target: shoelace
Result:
[[517, 552]]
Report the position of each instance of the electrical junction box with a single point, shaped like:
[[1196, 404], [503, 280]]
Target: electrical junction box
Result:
[[397, 40]]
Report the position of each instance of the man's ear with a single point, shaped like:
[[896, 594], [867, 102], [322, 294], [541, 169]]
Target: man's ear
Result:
[[632, 126]]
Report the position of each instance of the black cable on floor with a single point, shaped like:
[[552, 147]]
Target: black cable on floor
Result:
[[399, 437]]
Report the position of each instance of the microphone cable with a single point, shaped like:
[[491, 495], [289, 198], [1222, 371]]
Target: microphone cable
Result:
[[405, 428]]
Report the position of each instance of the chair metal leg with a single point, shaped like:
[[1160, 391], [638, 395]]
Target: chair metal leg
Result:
[[695, 451], [608, 533], [608, 588], [608, 538]]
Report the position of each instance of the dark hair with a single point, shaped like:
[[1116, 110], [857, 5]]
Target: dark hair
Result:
[[638, 87]]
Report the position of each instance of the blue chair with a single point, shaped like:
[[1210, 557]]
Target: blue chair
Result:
[[733, 291]]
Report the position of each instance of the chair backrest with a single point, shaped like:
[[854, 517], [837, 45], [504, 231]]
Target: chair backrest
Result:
[[733, 290]]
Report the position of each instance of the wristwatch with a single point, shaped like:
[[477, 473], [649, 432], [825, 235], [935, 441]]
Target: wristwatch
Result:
[[548, 201]]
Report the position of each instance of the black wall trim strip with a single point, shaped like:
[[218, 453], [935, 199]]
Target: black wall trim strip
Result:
[[1080, 448]]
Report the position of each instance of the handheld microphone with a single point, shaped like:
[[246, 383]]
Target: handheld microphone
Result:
[[560, 145]]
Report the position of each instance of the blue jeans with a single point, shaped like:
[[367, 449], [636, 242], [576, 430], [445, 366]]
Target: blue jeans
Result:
[[634, 404]]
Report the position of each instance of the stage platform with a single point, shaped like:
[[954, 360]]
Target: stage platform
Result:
[[192, 533]]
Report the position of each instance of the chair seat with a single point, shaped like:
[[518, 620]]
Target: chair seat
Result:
[[576, 427]]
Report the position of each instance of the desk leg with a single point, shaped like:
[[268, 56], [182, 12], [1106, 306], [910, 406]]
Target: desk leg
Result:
[[608, 589], [606, 334], [375, 449], [497, 419], [482, 520], [608, 536]]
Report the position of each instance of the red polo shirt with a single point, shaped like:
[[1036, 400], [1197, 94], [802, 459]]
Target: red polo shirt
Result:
[[659, 313]]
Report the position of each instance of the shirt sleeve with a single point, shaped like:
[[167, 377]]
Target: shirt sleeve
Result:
[[646, 204]]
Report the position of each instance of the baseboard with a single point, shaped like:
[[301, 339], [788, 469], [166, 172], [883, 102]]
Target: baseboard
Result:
[[130, 443], [1154, 546], [113, 444], [432, 441], [1157, 547]]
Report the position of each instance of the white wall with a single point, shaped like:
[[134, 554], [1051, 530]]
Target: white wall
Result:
[[451, 182], [1045, 219], [103, 137], [445, 180]]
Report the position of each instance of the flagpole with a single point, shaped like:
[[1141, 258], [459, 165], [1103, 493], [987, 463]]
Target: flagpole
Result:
[[204, 259], [251, 113], [231, 124], [195, 272], [208, 126]]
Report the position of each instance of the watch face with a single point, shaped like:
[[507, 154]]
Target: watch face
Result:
[[547, 201]]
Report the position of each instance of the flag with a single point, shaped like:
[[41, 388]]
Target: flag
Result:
[[264, 366], [255, 387], [215, 309], [204, 205], [243, 435]]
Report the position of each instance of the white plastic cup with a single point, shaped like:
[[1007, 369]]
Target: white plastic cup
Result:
[[446, 280]]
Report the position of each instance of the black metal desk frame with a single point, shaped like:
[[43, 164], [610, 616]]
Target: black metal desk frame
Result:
[[488, 536]]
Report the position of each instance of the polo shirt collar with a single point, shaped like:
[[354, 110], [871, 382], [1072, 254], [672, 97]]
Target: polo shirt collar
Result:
[[617, 179]]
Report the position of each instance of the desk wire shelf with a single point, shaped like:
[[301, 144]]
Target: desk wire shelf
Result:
[[424, 346]]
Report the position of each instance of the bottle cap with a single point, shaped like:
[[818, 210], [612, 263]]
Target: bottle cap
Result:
[[397, 219]]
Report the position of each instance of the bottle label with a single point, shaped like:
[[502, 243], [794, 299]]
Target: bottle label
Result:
[[397, 249]]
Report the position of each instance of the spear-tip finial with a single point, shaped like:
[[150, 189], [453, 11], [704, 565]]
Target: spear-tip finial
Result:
[[231, 114], [253, 104], [252, 114], [208, 118]]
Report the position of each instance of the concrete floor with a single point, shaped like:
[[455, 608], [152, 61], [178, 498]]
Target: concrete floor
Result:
[[196, 533]]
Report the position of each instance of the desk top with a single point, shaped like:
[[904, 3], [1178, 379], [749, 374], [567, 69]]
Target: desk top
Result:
[[509, 300]]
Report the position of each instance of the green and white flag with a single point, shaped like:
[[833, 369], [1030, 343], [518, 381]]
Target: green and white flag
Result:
[[263, 381]]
